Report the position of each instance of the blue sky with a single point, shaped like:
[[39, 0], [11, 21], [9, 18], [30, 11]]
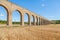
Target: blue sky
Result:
[[49, 9]]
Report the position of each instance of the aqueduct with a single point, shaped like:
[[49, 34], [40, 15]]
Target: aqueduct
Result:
[[10, 7]]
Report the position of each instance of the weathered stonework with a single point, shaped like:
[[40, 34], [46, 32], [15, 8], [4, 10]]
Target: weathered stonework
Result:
[[10, 7]]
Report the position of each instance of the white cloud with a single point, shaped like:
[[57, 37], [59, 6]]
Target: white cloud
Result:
[[1, 14], [43, 5]]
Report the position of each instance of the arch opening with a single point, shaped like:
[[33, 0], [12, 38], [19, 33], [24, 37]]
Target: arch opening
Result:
[[16, 17], [32, 20], [36, 20], [39, 20], [26, 19], [3, 15]]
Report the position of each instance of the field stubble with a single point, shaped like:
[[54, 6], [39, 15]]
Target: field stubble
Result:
[[44, 32]]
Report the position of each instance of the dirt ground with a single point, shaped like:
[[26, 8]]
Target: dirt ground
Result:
[[44, 32]]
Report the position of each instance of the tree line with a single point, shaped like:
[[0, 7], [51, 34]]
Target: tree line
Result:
[[56, 21], [5, 22]]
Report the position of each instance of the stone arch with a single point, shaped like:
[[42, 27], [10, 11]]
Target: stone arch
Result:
[[32, 19], [5, 7], [20, 16], [36, 20], [28, 19], [39, 21]]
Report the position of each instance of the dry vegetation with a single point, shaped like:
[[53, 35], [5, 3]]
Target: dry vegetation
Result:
[[45, 32]]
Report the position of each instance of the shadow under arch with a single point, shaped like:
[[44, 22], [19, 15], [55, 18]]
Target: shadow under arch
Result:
[[26, 19], [39, 21], [4, 6], [36, 20], [19, 17]]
